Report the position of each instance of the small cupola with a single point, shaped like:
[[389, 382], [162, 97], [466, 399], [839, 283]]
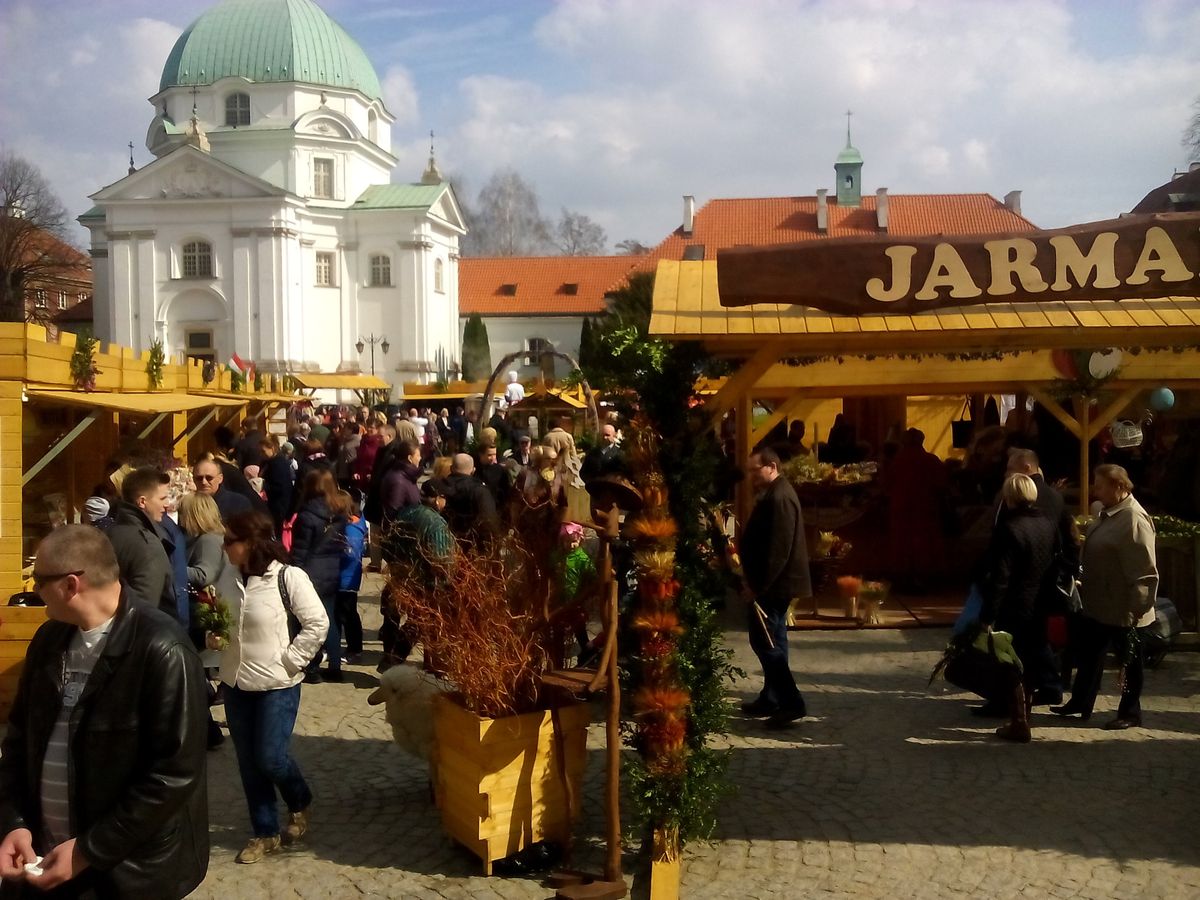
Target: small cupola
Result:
[[848, 168]]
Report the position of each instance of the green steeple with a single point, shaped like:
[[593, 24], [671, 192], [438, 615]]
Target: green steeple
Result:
[[269, 40], [848, 167]]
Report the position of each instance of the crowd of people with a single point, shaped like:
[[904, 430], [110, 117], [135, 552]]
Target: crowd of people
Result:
[[277, 531]]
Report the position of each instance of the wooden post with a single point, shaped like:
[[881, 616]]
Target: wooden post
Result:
[[745, 429], [11, 464], [1085, 469]]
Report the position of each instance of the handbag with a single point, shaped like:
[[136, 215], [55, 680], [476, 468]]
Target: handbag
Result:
[[972, 609], [980, 671], [1126, 434], [962, 429]]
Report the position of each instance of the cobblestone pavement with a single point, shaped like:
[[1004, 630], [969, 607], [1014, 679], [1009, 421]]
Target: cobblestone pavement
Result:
[[890, 789]]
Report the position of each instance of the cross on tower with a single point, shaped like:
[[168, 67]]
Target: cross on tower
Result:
[[848, 115]]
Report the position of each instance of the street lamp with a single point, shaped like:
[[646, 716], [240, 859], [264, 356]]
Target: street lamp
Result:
[[373, 340]]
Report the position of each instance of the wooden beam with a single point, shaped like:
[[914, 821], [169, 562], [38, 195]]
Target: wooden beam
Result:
[[1055, 409], [1113, 410], [781, 412], [742, 380], [63, 443], [195, 430], [1082, 402], [154, 423], [743, 493]]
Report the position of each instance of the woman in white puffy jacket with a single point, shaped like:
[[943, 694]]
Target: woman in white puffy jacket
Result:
[[262, 668]]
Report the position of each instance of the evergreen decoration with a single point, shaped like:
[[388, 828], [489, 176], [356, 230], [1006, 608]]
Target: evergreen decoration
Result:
[[208, 372], [154, 365], [1172, 527], [652, 381], [83, 361], [476, 351], [236, 381]]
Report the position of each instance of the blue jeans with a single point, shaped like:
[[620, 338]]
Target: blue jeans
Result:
[[779, 687], [332, 649], [261, 723]]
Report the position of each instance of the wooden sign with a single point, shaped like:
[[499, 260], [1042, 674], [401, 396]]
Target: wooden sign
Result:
[[1137, 256]]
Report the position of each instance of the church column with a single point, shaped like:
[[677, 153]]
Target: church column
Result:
[[238, 334], [147, 300], [301, 267], [348, 289], [124, 298]]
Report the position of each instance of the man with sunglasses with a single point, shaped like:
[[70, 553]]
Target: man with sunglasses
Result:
[[143, 548], [210, 479], [102, 769]]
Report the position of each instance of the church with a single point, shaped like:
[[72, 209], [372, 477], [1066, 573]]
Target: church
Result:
[[268, 225]]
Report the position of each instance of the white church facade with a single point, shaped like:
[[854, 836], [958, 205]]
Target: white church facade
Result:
[[268, 226]]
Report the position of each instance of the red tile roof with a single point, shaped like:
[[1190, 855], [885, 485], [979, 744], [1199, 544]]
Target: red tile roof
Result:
[[541, 284], [766, 221]]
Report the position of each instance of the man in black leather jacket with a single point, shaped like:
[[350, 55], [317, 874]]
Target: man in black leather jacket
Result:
[[103, 765]]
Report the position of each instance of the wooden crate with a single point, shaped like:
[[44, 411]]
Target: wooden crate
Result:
[[17, 626], [498, 782]]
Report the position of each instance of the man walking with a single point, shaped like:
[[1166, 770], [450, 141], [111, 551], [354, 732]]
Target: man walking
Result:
[[210, 479], [775, 565], [102, 770], [142, 549]]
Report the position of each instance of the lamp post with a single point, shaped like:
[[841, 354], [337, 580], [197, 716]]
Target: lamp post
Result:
[[372, 341]]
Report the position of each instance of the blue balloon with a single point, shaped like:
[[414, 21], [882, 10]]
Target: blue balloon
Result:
[[1162, 399]]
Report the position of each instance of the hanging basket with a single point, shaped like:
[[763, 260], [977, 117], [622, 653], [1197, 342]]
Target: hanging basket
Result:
[[1126, 434]]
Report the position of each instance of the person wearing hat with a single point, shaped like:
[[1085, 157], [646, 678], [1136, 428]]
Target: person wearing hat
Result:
[[97, 512]]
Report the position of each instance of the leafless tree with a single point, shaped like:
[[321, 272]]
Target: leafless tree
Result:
[[1191, 135], [507, 220], [631, 247], [33, 234], [577, 235]]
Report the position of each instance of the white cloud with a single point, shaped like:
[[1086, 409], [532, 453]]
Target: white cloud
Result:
[[400, 95]]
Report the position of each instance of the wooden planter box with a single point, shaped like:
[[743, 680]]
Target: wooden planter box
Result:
[[17, 627], [498, 782]]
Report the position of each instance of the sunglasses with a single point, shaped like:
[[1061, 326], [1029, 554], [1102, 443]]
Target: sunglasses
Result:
[[204, 477], [40, 580]]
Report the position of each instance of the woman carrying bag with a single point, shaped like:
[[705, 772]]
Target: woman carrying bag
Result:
[[318, 544], [207, 568], [262, 668]]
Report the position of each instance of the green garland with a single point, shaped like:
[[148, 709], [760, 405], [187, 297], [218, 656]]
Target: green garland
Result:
[[154, 365], [83, 362], [1171, 527]]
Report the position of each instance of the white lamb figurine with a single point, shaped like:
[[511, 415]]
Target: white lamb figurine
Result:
[[408, 693]]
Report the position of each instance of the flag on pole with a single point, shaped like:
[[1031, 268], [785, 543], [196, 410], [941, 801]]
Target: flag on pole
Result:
[[242, 367]]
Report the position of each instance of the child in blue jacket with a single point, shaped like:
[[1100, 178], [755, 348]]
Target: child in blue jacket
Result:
[[350, 581]]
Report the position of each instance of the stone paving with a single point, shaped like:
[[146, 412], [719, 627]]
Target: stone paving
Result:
[[891, 789]]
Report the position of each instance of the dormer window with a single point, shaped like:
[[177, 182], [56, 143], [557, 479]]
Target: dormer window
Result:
[[570, 288], [508, 290], [237, 109], [323, 179]]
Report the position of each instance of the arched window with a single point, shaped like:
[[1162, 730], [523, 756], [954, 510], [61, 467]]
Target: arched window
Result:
[[197, 260], [439, 277], [372, 127], [237, 109], [381, 271]]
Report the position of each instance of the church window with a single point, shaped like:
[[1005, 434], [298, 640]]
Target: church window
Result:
[[324, 269], [323, 178], [39, 299], [237, 109], [198, 344], [381, 271], [62, 299], [439, 277], [197, 260]]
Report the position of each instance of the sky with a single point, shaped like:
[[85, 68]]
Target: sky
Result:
[[617, 108]]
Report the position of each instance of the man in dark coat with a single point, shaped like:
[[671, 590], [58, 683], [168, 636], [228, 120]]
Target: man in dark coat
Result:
[[607, 459], [102, 770], [775, 565], [139, 541], [470, 509], [209, 477], [385, 458], [494, 477]]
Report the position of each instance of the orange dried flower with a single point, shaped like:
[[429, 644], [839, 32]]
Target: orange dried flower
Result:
[[848, 586], [650, 700], [662, 621], [665, 735], [659, 531], [653, 591]]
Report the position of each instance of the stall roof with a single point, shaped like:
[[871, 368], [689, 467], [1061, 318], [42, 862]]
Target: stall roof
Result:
[[135, 403], [687, 306], [347, 380]]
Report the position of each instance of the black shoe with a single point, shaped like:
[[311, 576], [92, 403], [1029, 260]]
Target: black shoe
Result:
[[1121, 723], [215, 737], [313, 677], [1068, 709], [991, 710], [354, 659], [759, 708], [1046, 697], [334, 675], [784, 718]]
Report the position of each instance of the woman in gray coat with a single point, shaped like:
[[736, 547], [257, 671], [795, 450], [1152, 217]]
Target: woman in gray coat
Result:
[[1120, 581]]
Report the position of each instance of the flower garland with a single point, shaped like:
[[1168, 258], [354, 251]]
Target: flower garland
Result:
[[154, 365], [83, 362]]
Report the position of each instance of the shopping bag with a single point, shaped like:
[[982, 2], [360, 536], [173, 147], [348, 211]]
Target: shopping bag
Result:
[[979, 668], [971, 611]]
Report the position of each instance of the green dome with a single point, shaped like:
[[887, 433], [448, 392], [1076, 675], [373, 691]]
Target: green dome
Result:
[[269, 40], [848, 155]]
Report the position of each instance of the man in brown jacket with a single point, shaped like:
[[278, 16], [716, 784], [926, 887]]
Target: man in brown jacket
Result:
[[775, 566]]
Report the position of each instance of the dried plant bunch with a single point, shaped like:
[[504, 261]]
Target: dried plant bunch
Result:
[[658, 564], [665, 699], [659, 531], [663, 622]]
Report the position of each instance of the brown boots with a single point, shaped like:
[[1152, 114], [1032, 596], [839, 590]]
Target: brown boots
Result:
[[1017, 728]]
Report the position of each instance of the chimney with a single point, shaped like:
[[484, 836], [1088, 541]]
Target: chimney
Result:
[[1012, 200], [689, 213], [822, 211], [881, 209]]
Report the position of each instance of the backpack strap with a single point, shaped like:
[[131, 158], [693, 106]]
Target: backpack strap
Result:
[[283, 589]]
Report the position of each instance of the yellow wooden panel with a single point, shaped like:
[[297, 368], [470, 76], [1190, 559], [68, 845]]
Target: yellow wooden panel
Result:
[[793, 321], [952, 322], [739, 321], [17, 631], [819, 324], [873, 324], [846, 324], [1193, 314], [688, 304], [1118, 318], [926, 323], [1034, 318], [1145, 317], [899, 323], [979, 321], [766, 318], [1090, 319], [13, 649], [1060, 318], [1173, 317], [714, 316]]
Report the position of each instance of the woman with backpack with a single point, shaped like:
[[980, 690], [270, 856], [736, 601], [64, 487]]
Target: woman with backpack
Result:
[[262, 667], [318, 544]]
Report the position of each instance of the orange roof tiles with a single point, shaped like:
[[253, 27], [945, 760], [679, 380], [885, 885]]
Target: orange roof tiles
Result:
[[541, 284], [767, 221]]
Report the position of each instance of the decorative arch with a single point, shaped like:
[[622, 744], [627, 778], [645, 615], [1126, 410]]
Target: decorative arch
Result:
[[488, 400], [325, 122], [194, 312]]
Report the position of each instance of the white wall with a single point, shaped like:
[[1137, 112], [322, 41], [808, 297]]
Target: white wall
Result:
[[509, 334]]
